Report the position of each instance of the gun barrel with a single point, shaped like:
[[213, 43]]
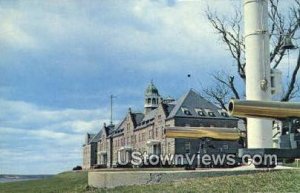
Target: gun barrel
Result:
[[202, 132], [264, 109]]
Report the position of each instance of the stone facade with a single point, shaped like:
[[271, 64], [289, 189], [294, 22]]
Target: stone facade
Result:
[[89, 152], [145, 132]]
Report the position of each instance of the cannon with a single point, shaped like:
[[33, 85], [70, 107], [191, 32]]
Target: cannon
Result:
[[286, 112], [211, 141], [264, 109], [231, 134]]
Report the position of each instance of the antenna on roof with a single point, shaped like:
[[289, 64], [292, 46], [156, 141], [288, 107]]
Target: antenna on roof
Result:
[[111, 108]]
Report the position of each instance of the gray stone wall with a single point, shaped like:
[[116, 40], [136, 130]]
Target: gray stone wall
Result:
[[89, 155]]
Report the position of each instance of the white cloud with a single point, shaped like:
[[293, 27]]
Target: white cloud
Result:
[[150, 30], [32, 134], [11, 31], [20, 114]]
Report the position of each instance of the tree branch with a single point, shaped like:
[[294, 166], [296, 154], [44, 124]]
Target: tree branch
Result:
[[289, 94]]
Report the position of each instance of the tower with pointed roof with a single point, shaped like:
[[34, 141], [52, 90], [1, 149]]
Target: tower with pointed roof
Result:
[[152, 98]]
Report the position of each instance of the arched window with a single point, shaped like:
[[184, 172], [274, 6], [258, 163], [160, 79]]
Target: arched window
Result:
[[153, 101]]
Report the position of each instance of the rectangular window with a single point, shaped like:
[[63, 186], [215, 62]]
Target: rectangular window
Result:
[[187, 147], [200, 112], [127, 126], [186, 111], [223, 113], [211, 114]]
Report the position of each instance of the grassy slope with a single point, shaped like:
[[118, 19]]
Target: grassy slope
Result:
[[276, 181], [68, 182]]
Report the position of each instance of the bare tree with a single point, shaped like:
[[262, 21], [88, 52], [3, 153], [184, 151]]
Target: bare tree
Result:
[[230, 31]]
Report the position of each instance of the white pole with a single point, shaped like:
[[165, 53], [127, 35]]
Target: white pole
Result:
[[259, 131]]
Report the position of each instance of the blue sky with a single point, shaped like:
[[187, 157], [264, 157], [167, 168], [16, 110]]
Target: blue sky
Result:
[[61, 59]]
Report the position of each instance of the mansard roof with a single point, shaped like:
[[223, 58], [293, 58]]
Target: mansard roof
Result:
[[192, 101]]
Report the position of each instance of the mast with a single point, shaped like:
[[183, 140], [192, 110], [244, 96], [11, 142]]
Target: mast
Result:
[[258, 82], [111, 108]]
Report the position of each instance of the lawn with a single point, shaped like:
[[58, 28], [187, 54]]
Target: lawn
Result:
[[268, 181], [67, 182]]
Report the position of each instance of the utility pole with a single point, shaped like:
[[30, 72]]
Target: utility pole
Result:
[[258, 85], [111, 108]]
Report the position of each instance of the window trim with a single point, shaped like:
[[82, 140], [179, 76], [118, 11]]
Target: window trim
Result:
[[198, 110], [186, 111], [211, 114]]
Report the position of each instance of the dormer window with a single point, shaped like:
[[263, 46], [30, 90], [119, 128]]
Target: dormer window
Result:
[[186, 111], [223, 113], [211, 114], [200, 112]]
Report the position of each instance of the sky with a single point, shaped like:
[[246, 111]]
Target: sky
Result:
[[60, 60]]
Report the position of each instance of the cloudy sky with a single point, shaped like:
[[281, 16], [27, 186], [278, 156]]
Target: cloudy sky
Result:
[[61, 59]]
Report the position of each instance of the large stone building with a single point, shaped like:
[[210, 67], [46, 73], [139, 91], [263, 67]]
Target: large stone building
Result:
[[145, 132]]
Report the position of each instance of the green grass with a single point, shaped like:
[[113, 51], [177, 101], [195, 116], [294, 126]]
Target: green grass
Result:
[[275, 181], [67, 182], [268, 181]]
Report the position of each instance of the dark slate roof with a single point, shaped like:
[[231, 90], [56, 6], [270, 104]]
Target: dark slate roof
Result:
[[169, 107], [109, 129], [118, 129], [192, 100], [137, 118], [96, 137], [148, 119], [90, 137]]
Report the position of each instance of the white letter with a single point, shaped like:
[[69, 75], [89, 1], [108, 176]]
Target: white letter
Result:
[[206, 159], [136, 158]]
